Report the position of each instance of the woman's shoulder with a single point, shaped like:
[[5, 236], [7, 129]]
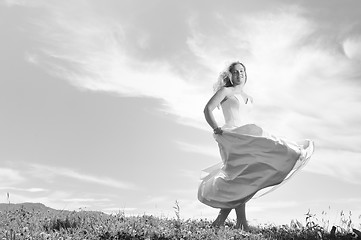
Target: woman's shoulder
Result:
[[226, 90]]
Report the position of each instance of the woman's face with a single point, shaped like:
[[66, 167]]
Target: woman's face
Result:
[[238, 75]]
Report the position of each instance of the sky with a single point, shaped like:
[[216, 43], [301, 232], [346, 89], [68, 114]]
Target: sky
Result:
[[101, 103]]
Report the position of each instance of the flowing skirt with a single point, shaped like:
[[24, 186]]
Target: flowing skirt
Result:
[[254, 162]]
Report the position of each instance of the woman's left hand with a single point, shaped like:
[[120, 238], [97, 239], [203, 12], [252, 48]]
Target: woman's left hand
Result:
[[218, 130]]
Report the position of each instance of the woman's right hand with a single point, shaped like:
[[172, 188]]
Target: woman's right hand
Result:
[[218, 130]]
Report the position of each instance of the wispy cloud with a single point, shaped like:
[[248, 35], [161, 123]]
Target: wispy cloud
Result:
[[10, 176], [211, 151], [90, 52], [352, 47], [32, 190], [341, 164], [42, 171], [21, 2], [192, 175], [86, 200], [264, 206], [156, 199]]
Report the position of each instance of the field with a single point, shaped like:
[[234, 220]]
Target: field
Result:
[[36, 221]]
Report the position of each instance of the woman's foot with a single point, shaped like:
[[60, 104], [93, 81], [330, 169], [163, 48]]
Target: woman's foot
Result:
[[245, 228], [216, 223], [221, 218], [242, 225], [241, 217]]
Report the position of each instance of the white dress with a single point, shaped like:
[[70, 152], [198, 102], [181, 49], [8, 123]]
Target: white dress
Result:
[[254, 162]]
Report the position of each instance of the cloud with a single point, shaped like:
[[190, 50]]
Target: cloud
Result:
[[24, 3], [211, 151], [341, 164], [10, 176], [86, 200], [156, 199], [352, 47], [264, 206], [91, 51], [192, 175], [32, 190], [42, 171]]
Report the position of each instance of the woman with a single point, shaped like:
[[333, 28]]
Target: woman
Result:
[[252, 159]]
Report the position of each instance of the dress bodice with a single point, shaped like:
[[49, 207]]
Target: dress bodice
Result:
[[236, 110]]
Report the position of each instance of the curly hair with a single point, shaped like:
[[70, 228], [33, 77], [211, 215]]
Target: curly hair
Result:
[[224, 78]]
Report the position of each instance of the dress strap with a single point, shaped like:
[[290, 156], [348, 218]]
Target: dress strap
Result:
[[240, 98]]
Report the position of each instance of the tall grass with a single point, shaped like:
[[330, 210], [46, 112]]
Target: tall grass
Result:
[[32, 224]]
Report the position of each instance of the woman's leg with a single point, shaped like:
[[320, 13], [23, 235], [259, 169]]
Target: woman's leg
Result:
[[222, 216], [241, 217]]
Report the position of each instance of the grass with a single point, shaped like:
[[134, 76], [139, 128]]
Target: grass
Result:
[[39, 224]]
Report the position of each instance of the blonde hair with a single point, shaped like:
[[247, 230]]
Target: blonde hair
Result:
[[224, 78]]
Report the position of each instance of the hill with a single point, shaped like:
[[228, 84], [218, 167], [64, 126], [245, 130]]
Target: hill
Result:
[[26, 206]]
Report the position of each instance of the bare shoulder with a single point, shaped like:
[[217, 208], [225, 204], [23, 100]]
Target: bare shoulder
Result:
[[225, 91]]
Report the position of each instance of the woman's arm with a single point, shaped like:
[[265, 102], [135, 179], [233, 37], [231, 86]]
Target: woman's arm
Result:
[[215, 100]]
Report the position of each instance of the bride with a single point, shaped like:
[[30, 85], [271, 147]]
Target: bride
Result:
[[252, 159]]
